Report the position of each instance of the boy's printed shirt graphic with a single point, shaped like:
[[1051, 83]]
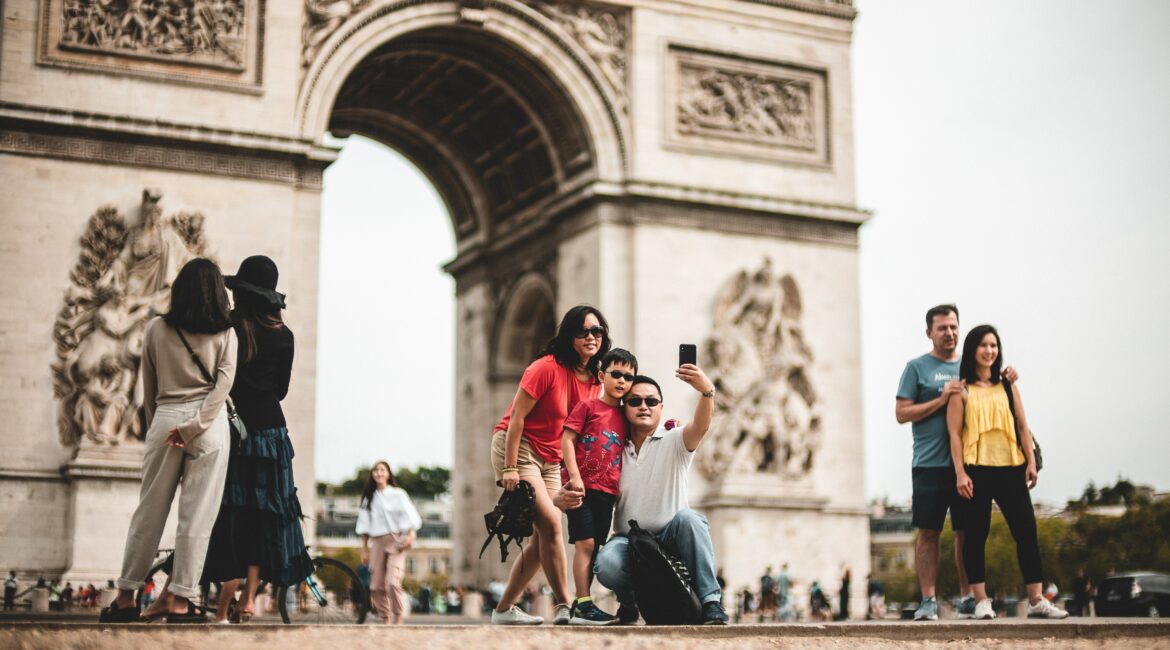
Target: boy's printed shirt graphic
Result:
[[602, 432]]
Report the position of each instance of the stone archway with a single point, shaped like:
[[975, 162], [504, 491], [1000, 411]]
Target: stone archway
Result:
[[513, 123], [649, 157]]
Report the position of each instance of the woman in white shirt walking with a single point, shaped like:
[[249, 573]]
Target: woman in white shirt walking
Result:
[[387, 523]]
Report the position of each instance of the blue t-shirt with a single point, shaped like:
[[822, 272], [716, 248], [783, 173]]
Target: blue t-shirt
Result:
[[923, 380]]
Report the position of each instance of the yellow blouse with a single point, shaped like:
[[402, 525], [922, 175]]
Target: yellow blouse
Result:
[[989, 431]]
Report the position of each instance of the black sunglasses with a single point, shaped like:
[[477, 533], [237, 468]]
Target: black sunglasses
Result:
[[637, 401], [596, 332], [618, 374]]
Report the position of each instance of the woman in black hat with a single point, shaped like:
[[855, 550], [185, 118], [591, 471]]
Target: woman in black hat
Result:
[[258, 532]]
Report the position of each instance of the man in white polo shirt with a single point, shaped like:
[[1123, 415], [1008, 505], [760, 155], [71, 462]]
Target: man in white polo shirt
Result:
[[654, 493]]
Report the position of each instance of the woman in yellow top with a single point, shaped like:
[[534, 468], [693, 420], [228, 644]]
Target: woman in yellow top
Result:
[[992, 464]]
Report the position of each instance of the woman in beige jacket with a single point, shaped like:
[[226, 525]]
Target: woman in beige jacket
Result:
[[187, 443]]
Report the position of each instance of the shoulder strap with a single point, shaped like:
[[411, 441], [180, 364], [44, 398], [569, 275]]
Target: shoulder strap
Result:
[[195, 357], [1007, 387]]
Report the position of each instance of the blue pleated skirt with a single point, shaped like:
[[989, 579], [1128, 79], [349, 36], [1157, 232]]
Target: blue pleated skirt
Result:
[[259, 520]]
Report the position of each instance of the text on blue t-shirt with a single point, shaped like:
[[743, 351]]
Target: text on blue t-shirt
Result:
[[923, 380]]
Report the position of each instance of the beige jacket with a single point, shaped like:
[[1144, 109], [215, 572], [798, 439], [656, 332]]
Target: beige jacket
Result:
[[170, 376]]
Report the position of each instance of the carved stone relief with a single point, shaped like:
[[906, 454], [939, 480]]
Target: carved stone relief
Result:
[[602, 32], [322, 18], [767, 411], [197, 31], [121, 280], [748, 106], [216, 42]]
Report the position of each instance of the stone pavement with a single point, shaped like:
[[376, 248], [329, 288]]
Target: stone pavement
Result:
[[1080, 634]]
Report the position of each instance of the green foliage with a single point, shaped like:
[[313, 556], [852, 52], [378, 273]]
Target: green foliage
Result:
[[424, 482]]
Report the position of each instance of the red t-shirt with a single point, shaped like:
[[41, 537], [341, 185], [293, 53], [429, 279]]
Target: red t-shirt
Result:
[[556, 390], [602, 431]]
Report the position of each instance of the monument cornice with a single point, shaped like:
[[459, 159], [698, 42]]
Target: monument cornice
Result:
[[118, 139], [834, 8]]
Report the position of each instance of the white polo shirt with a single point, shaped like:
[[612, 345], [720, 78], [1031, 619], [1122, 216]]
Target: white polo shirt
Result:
[[654, 481]]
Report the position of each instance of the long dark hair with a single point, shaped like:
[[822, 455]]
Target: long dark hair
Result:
[[561, 345], [371, 486], [251, 312], [971, 346], [199, 301]]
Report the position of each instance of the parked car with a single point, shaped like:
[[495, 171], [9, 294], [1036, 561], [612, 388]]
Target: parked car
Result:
[[1134, 594]]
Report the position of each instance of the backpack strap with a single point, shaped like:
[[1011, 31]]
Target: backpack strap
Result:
[[1007, 387]]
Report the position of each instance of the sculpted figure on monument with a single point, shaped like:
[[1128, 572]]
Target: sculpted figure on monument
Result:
[[602, 34], [768, 411], [322, 18], [121, 280], [200, 30], [713, 100]]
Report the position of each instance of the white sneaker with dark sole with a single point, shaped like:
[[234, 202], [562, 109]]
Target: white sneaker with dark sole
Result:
[[984, 610], [561, 614], [1045, 609], [515, 616]]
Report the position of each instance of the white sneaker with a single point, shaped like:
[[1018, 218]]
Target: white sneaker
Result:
[[983, 610], [515, 616], [561, 614], [1045, 609]]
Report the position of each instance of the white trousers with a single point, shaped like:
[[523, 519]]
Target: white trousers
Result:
[[201, 468]]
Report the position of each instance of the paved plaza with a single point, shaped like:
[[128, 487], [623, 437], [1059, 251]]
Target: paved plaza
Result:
[[78, 632]]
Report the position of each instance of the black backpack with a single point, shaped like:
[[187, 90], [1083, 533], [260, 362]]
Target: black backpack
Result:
[[1019, 441], [662, 583], [511, 519]]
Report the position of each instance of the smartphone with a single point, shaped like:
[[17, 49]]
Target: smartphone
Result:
[[688, 353]]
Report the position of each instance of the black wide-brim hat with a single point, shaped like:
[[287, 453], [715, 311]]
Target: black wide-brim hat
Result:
[[257, 275]]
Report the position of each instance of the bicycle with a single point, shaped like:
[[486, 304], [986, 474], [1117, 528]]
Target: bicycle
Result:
[[313, 603]]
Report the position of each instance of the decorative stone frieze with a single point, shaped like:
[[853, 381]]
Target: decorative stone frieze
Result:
[[737, 105], [122, 279], [216, 43], [767, 413]]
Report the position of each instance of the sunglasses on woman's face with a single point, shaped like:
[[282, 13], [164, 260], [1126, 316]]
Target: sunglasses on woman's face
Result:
[[618, 374], [635, 402], [595, 332]]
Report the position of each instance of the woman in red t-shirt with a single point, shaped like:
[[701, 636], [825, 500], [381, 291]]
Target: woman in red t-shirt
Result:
[[526, 446]]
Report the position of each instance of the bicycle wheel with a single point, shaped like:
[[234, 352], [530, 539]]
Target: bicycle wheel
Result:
[[333, 594]]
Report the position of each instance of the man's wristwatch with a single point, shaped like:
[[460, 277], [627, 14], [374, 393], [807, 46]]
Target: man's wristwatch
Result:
[[710, 393]]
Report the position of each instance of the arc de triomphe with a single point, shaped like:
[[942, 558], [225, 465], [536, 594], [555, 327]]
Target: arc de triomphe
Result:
[[686, 165]]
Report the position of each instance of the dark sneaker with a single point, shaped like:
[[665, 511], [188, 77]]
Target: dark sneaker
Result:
[[966, 608], [587, 613], [713, 613], [627, 614]]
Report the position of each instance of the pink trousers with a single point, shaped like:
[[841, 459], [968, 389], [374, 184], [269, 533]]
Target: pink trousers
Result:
[[387, 568]]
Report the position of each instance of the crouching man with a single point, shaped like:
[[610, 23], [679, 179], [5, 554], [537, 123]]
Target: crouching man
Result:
[[654, 493]]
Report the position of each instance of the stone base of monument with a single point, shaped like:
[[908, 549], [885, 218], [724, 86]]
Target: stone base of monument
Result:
[[104, 484]]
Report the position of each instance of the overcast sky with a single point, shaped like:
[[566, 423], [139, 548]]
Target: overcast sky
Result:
[[1017, 158]]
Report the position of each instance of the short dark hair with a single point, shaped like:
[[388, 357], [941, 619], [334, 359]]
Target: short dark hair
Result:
[[618, 355], [970, 346], [199, 300], [940, 310], [561, 347], [643, 379]]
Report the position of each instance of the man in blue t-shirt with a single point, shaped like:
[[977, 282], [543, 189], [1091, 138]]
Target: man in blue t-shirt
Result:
[[927, 384]]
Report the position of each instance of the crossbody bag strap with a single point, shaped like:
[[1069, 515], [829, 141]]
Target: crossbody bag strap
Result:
[[231, 408]]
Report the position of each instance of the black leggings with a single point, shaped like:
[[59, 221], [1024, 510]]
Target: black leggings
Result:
[[1008, 488]]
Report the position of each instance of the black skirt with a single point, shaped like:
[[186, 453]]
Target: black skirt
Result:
[[259, 522]]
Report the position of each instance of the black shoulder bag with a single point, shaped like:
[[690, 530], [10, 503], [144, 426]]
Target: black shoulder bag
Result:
[[511, 519], [1007, 387], [235, 424]]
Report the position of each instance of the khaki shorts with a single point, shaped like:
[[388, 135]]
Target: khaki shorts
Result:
[[532, 468]]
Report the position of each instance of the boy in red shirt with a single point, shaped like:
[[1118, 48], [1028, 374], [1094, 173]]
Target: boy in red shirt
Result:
[[594, 436]]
